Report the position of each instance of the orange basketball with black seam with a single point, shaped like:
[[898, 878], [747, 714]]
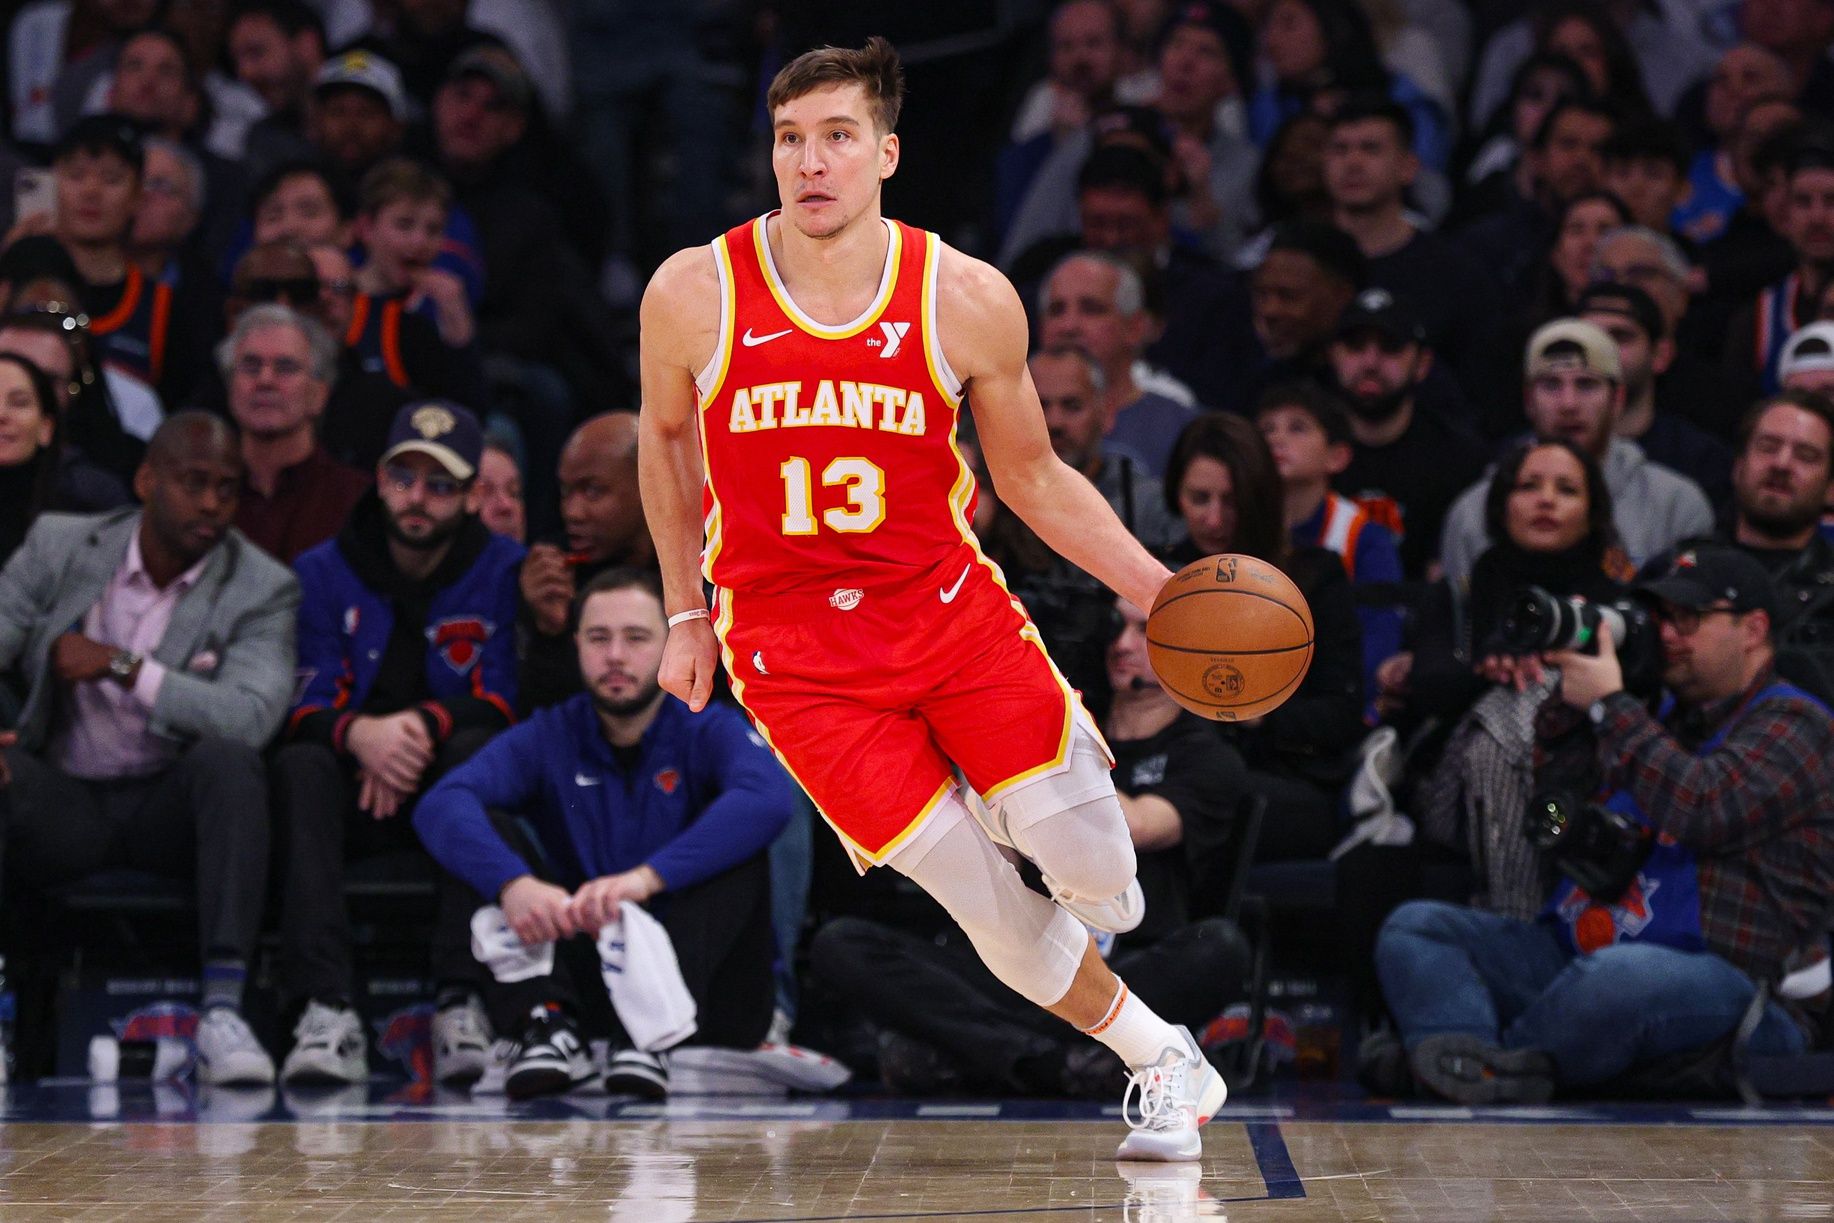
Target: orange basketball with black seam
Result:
[[1230, 637]]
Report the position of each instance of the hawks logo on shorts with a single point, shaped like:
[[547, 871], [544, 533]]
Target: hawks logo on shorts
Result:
[[460, 640]]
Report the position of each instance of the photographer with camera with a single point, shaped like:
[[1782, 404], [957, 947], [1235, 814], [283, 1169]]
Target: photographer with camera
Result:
[[1719, 817]]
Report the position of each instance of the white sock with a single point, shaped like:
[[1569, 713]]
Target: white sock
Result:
[[1131, 1029]]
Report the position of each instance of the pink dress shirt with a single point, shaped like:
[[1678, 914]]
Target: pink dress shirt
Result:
[[104, 734]]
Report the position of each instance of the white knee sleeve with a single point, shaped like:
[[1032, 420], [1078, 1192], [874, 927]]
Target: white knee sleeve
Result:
[[1030, 944], [1071, 825]]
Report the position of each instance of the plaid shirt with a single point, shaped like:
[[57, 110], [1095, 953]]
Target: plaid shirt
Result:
[[1757, 811]]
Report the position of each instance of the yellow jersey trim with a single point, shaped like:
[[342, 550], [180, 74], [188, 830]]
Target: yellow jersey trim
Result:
[[888, 284]]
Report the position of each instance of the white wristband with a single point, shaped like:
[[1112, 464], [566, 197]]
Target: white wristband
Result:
[[699, 613]]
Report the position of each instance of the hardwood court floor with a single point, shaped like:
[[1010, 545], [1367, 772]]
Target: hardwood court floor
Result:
[[366, 1156]]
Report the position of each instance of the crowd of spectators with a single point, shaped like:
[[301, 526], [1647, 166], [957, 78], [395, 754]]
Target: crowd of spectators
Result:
[[322, 538]]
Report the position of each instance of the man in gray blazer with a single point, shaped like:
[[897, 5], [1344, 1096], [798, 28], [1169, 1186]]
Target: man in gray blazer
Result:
[[157, 649]]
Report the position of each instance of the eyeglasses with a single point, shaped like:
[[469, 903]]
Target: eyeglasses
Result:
[[403, 479], [1686, 620]]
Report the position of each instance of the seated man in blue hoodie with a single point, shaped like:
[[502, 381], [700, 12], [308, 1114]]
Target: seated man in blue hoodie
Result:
[[619, 793]]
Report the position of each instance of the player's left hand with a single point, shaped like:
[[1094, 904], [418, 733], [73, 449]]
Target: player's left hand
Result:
[[1585, 678], [596, 902], [688, 660]]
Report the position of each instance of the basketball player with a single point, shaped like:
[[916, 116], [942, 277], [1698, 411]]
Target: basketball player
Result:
[[801, 380]]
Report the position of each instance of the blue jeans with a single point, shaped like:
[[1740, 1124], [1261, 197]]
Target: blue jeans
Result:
[[1450, 969]]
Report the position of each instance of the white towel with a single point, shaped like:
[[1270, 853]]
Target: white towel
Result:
[[1372, 804], [643, 978], [509, 958]]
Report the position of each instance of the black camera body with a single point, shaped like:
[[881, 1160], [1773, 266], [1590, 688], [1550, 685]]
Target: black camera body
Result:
[[1540, 621], [1599, 849]]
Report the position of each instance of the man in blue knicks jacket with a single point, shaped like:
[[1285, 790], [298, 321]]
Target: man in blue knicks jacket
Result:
[[619, 793]]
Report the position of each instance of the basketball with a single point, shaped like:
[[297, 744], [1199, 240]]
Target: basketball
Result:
[[1230, 637]]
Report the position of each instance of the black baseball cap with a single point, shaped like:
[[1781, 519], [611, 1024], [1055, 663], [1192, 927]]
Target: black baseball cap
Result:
[[105, 133], [1380, 311], [501, 68], [1613, 297], [1704, 574], [441, 430]]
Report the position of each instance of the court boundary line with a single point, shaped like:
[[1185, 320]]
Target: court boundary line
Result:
[[1265, 1142]]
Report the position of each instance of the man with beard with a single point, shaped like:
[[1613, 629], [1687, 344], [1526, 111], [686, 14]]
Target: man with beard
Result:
[[1407, 464], [1573, 387], [618, 795], [407, 663], [1780, 481]]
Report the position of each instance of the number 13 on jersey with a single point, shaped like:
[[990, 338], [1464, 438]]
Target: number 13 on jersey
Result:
[[863, 481]]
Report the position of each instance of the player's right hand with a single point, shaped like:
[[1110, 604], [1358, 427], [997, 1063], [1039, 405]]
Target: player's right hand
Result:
[[539, 912], [688, 660]]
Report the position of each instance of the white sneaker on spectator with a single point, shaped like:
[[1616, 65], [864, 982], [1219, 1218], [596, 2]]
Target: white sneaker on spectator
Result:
[[461, 1043], [1177, 1093], [328, 1047], [550, 1058], [227, 1051], [632, 1072]]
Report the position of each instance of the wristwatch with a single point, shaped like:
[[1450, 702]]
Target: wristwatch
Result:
[[121, 665]]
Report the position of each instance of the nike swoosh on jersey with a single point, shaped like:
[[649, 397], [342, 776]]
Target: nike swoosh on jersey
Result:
[[948, 596], [752, 341], [580, 779]]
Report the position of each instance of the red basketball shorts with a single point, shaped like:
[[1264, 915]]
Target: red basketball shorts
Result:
[[873, 698]]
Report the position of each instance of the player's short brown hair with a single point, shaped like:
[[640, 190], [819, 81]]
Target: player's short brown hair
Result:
[[875, 68], [402, 178]]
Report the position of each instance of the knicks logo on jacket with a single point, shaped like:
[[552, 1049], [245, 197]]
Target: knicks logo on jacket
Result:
[[459, 640]]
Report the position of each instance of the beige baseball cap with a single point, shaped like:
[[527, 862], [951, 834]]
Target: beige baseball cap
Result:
[[1571, 343]]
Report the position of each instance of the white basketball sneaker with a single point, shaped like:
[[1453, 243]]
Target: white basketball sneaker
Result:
[[328, 1047], [1177, 1093], [228, 1054]]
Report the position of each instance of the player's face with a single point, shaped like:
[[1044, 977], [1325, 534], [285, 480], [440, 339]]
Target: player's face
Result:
[[620, 639], [1206, 502], [829, 158]]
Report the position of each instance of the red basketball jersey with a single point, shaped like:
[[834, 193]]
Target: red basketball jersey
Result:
[[830, 451]]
